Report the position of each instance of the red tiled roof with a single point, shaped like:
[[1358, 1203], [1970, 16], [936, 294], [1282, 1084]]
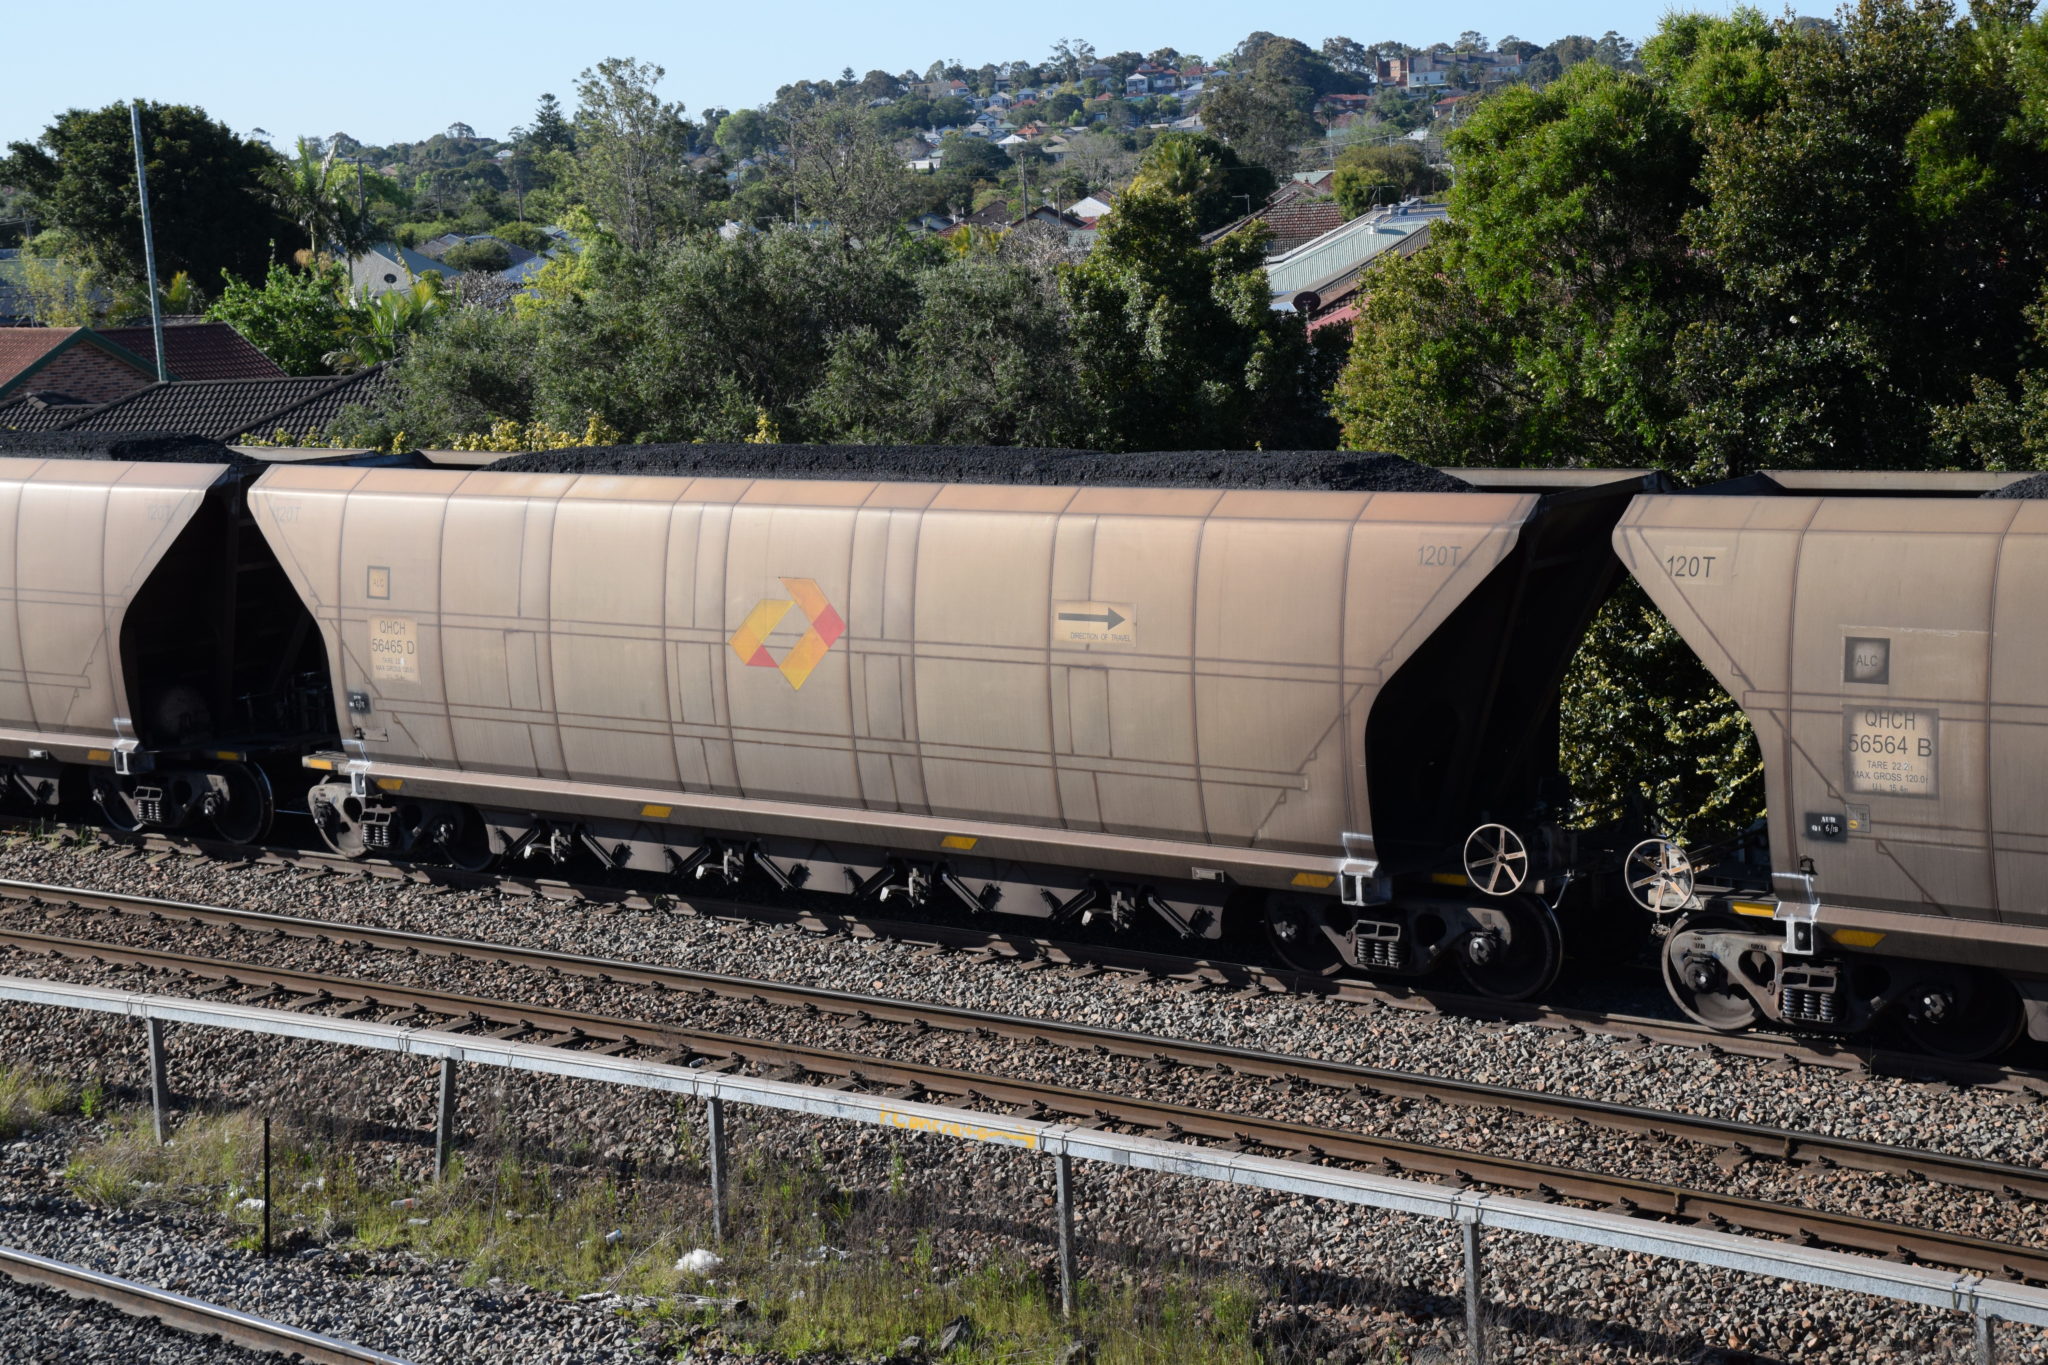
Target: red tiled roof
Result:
[[21, 347], [198, 350], [1302, 221]]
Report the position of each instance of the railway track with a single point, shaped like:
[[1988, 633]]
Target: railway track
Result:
[[1195, 973], [183, 1314], [1737, 1142], [345, 997]]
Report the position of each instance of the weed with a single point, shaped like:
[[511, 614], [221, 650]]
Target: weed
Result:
[[27, 1099], [822, 1269]]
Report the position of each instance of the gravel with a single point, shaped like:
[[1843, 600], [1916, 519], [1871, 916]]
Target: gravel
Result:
[[1325, 469], [390, 1301], [1357, 1278]]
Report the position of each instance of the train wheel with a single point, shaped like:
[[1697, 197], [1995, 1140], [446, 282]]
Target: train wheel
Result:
[[116, 807], [339, 818], [1976, 1015], [467, 845], [242, 814], [1520, 962], [1699, 983], [1302, 937]]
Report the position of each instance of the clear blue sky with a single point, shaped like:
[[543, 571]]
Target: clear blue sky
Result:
[[385, 72]]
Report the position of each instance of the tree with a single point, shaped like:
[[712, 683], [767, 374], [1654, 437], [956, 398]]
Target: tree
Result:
[[1215, 181], [295, 316], [744, 133], [845, 172], [986, 359], [1471, 40], [1180, 345], [373, 328], [630, 146], [551, 131], [1352, 59], [487, 255], [329, 199], [1368, 176], [1263, 120], [207, 202]]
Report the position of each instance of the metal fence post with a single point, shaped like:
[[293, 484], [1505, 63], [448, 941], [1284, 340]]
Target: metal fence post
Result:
[[159, 1090], [1063, 1196], [1987, 1339], [1475, 1328], [444, 1122], [714, 1112]]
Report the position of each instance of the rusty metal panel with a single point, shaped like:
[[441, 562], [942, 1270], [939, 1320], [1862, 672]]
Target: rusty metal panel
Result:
[[78, 539], [1178, 664], [1888, 651]]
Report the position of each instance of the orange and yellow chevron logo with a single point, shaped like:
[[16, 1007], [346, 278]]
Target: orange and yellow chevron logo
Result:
[[750, 641]]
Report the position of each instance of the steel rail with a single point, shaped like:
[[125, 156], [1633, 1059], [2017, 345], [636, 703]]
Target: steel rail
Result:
[[184, 1314], [601, 1035], [1197, 972], [1737, 1141]]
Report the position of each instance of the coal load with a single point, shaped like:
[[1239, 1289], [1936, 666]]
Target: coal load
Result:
[[1296, 469], [141, 447], [2033, 486]]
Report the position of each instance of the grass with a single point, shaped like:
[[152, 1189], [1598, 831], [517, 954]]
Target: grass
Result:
[[28, 1099], [820, 1269]]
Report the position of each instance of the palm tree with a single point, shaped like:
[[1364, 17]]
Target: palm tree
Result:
[[332, 206], [375, 326]]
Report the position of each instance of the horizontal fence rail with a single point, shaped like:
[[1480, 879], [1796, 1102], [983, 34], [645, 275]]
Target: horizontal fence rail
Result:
[[1985, 1300]]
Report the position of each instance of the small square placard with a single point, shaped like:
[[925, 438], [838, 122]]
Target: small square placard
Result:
[[379, 589], [1866, 660]]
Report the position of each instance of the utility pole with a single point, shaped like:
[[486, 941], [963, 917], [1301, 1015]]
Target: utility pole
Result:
[[156, 303]]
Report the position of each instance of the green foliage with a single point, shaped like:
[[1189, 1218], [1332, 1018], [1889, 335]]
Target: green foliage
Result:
[[376, 325], [1209, 174], [1180, 347], [294, 316], [744, 133], [1369, 176], [1755, 245], [205, 187], [528, 235], [1648, 737], [485, 255], [1265, 118], [630, 145], [329, 199], [28, 1099]]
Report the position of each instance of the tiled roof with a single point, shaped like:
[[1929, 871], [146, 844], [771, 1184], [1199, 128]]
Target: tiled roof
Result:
[[1292, 224], [40, 412], [313, 413], [22, 347], [198, 350], [216, 408]]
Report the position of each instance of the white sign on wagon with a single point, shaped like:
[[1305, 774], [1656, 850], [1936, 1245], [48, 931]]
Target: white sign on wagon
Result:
[[394, 649], [1892, 750]]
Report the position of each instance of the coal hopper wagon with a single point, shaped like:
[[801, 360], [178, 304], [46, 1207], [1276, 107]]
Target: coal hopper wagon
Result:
[[1078, 696], [1887, 636]]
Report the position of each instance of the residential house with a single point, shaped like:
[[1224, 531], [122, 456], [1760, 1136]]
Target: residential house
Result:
[[439, 247], [1098, 71], [222, 409], [1091, 207], [1318, 266], [388, 266], [75, 363], [1291, 219], [1428, 80], [1159, 80], [196, 349]]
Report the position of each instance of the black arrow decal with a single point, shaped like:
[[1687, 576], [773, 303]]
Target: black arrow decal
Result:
[[1109, 618]]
